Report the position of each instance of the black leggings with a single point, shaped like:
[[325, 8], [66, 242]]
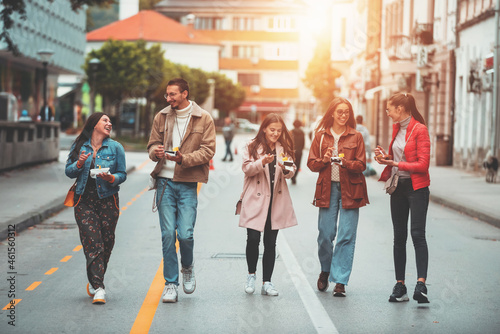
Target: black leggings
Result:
[[404, 200], [252, 251]]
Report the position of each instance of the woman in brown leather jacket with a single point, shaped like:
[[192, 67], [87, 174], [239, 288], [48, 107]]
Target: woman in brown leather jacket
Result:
[[338, 154]]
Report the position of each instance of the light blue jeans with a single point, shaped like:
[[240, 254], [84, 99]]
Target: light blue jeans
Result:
[[177, 211], [338, 261]]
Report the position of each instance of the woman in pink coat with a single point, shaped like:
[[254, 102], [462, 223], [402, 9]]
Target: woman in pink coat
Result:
[[266, 204]]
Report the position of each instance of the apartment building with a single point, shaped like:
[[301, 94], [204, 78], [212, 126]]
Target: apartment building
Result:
[[260, 48], [49, 26], [476, 122]]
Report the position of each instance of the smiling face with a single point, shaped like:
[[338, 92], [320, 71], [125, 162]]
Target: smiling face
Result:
[[341, 114], [176, 98], [273, 133], [104, 126], [397, 114]]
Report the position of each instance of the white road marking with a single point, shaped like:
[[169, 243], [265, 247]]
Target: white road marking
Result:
[[319, 317]]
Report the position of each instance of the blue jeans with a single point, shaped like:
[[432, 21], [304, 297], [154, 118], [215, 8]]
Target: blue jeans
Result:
[[177, 209], [338, 261]]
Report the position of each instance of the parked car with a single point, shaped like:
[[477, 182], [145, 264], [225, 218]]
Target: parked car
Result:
[[247, 126]]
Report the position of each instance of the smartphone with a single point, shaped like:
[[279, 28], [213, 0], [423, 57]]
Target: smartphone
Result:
[[337, 160], [171, 153]]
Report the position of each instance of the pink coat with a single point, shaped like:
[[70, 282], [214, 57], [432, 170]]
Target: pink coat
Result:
[[257, 196]]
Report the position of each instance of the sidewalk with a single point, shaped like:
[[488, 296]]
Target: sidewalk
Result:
[[30, 195]]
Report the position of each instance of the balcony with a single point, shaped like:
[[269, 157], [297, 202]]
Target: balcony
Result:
[[423, 34], [399, 48]]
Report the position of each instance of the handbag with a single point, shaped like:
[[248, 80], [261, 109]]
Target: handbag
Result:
[[70, 197], [240, 201], [391, 184]]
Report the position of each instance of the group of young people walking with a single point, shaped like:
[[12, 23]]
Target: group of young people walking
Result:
[[182, 143], [337, 154]]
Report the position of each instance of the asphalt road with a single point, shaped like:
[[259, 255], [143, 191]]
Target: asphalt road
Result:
[[463, 272]]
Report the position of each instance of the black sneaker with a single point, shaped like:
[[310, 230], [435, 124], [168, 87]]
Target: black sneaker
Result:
[[420, 293], [399, 293]]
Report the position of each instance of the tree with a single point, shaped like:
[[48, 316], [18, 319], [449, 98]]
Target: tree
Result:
[[228, 96], [148, 4], [123, 73], [320, 76], [10, 7]]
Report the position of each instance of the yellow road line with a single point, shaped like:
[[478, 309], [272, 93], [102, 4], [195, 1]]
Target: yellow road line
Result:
[[77, 248], [148, 309], [51, 271], [66, 258], [33, 286], [147, 312], [15, 302], [143, 164]]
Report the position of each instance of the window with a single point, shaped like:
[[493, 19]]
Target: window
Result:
[[342, 32], [282, 23], [246, 23], [209, 23], [248, 79], [283, 51], [246, 51]]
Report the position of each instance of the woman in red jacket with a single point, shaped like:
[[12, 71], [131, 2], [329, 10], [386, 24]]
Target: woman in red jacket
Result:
[[409, 155], [340, 191]]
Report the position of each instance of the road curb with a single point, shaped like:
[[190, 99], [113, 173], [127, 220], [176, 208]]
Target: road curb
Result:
[[495, 221], [35, 217]]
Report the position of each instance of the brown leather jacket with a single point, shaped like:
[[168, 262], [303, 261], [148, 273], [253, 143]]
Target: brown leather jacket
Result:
[[352, 181], [198, 144]]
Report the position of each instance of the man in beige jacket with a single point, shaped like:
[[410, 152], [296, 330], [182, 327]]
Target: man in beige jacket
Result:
[[182, 142]]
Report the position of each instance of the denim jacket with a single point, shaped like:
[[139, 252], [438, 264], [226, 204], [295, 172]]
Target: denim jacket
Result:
[[112, 155]]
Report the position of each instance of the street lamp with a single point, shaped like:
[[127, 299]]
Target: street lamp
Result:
[[45, 56], [94, 65]]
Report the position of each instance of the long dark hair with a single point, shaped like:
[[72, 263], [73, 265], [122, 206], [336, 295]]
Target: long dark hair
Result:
[[408, 102], [260, 139], [86, 134], [327, 121]]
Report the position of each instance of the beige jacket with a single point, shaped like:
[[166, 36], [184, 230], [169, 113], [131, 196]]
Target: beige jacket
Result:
[[197, 146]]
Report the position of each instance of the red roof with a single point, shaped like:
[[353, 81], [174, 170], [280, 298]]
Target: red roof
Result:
[[150, 26]]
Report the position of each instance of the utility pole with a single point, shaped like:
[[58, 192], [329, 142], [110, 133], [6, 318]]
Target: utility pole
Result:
[[496, 84]]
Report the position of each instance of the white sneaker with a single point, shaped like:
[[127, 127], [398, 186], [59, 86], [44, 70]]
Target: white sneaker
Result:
[[269, 289], [90, 290], [170, 293], [188, 280], [250, 286], [99, 296]]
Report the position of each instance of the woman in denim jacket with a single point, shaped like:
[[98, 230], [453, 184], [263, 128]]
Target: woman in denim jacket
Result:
[[97, 205]]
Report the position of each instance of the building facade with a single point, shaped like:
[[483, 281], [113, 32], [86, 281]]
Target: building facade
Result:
[[260, 48], [48, 26], [475, 118]]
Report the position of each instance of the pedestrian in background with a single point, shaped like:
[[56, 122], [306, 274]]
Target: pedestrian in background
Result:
[[340, 191], [409, 157], [298, 142], [228, 133], [182, 142], [369, 171], [97, 209], [266, 202]]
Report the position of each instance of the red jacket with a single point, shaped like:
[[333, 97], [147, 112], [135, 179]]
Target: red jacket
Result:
[[417, 152], [352, 181]]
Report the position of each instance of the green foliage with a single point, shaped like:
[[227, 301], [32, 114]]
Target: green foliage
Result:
[[122, 70], [228, 96], [99, 16], [148, 4], [320, 76]]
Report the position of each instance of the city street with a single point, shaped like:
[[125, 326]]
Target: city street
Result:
[[463, 275]]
